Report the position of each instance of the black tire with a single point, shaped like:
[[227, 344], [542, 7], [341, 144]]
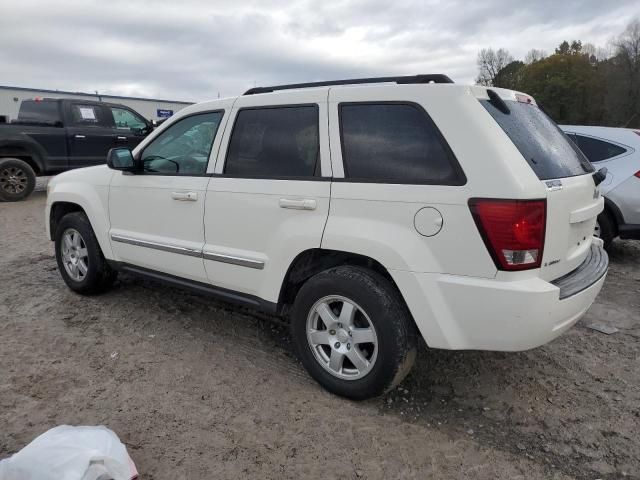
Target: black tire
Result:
[[607, 229], [99, 276], [393, 325], [17, 180]]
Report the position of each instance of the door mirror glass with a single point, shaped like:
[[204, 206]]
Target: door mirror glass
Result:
[[121, 159]]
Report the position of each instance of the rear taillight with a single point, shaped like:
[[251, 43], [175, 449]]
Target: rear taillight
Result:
[[637, 174], [512, 230]]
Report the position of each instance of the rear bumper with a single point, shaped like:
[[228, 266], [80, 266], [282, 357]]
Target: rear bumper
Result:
[[456, 312]]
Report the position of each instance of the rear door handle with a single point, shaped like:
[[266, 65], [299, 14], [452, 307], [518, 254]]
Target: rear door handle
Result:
[[298, 204], [121, 139], [185, 196], [80, 136]]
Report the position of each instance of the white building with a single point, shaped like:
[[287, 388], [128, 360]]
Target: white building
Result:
[[150, 108]]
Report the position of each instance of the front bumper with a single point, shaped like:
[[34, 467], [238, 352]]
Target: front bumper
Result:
[[461, 313]]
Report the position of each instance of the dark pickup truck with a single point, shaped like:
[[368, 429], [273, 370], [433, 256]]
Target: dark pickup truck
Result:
[[54, 135]]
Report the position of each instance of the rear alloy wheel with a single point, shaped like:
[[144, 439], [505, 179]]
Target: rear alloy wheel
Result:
[[353, 332], [17, 180], [342, 337]]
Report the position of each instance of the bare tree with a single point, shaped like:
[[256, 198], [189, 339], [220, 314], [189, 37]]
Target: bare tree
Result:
[[490, 62], [534, 55]]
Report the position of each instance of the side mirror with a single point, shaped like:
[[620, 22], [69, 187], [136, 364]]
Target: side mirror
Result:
[[121, 159]]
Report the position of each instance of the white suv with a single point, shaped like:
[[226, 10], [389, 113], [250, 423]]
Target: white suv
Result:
[[366, 211], [617, 150]]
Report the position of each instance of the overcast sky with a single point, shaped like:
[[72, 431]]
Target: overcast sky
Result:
[[193, 50]]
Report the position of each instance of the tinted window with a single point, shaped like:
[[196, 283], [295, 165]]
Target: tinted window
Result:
[[126, 120], [43, 111], [547, 150], [598, 150], [274, 142], [184, 147], [393, 142]]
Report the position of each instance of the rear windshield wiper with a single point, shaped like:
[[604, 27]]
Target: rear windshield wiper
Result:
[[499, 103]]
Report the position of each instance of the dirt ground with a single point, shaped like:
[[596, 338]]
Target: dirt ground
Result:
[[198, 389]]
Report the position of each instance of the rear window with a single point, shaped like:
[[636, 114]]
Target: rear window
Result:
[[540, 141], [394, 142], [42, 111], [598, 150]]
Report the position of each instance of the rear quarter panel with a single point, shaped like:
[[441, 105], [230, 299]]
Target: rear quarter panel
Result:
[[377, 219]]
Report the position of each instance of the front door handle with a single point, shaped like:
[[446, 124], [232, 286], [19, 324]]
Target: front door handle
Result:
[[80, 136], [121, 139], [185, 196], [298, 204]]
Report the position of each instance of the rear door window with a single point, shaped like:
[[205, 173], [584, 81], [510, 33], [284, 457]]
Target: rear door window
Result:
[[397, 143], [598, 150], [546, 148], [90, 116], [275, 142]]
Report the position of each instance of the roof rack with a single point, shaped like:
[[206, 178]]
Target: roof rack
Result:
[[430, 78]]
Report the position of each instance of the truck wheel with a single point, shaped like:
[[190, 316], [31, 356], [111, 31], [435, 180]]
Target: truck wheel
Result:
[[605, 230], [352, 332], [17, 180], [80, 260]]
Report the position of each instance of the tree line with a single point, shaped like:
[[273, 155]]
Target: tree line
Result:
[[577, 84]]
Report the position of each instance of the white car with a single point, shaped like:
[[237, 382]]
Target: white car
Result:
[[367, 212], [617, 149]]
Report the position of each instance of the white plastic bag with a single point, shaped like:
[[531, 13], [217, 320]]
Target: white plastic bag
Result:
[[71, 453]]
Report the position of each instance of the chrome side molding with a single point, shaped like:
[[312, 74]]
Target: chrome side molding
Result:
[[216, 257], [157, 246], [244, 262]]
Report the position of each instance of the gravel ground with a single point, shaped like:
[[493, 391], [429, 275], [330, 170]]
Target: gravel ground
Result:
[[198, 389]]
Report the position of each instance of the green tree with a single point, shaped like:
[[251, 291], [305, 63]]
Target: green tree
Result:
[[566, 48], [567, 86], [509, 76]]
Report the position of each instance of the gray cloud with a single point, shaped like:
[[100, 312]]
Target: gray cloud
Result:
[[195, 49]]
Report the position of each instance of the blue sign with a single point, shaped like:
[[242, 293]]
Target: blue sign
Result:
[[164, 113]]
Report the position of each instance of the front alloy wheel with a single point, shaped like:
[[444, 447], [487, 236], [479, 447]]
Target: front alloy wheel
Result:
[[80, 260], [75, 257], [342, 337]]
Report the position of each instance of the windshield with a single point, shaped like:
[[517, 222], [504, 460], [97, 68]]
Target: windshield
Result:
[[541, 142]]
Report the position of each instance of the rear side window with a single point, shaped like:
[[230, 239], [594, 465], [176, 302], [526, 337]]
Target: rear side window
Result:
[[39, 111], [541, 142], [90, 115], [390, 142], [598, 150], [274, 142]]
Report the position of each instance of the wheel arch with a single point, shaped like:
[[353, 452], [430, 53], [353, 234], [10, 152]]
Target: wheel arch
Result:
[[59, 210], [315, 260], [25, 151], [92, 207], [614, 213]]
